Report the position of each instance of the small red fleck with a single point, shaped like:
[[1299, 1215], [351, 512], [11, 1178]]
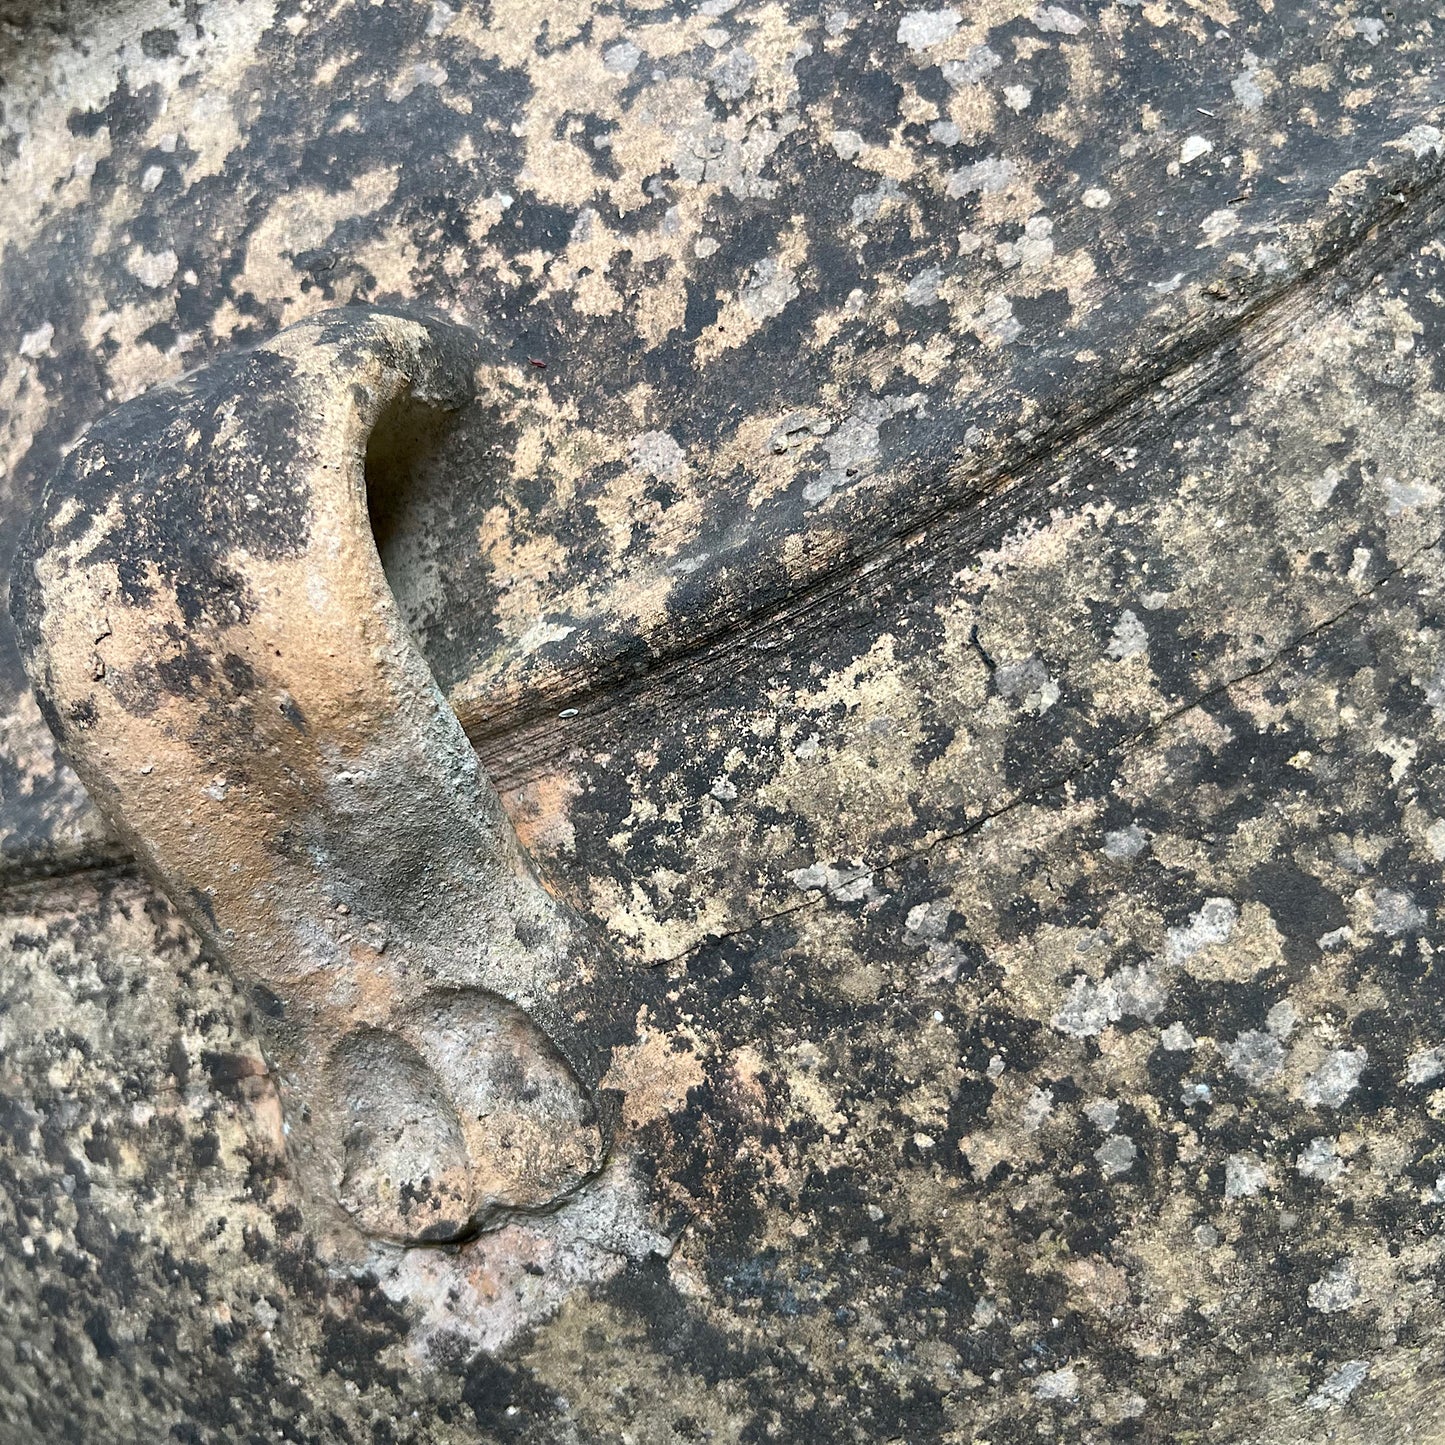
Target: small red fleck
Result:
[[542, 365]]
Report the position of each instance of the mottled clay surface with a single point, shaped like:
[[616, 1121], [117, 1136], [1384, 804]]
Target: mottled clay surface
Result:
[[764, 288], [1026, 841]]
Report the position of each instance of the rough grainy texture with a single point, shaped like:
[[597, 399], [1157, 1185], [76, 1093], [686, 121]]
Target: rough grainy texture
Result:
[[981, 495]]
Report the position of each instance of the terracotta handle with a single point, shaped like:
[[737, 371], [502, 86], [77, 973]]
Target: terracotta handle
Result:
[[213, 640]]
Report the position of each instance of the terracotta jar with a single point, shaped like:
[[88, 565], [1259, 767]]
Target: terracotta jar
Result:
[[725, 722]]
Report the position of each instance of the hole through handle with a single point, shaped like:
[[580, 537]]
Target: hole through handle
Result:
[[205, 618]]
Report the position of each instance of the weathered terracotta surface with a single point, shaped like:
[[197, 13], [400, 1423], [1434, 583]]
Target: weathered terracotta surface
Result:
[[1026, 851]]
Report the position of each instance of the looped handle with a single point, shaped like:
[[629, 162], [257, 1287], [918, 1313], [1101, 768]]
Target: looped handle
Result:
[[213, 640]]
